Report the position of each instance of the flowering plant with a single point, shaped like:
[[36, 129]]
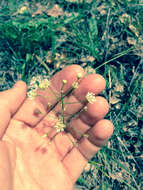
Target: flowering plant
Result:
[[61, 123]]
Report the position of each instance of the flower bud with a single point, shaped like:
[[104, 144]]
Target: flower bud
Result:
[[79, 75], [64, 81]]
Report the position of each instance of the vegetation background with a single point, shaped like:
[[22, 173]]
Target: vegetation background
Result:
[[40, 37]]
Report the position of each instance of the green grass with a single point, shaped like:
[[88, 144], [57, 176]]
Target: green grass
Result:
[[93, 36]]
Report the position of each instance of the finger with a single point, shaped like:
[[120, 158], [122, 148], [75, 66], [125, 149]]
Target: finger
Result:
[[76, 160], [94, 112], [97, 137], [32, 111], [10, 101]]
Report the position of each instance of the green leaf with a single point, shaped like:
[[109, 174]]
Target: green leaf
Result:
[[93, 27], [28, 57]]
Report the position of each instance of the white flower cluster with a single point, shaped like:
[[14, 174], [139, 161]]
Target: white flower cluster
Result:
[[90, 97], [32, 94], [45, 83], [60, 126], [35, 83]]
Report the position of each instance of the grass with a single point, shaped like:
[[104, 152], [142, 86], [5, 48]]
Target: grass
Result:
[[105, 36]]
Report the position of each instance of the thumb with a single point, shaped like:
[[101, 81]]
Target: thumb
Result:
[[10, 101]]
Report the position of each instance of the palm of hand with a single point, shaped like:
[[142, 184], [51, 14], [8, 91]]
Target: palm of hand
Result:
[[30, 162], [37, 164]]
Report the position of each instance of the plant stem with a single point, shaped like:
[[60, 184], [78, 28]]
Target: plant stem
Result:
[[116, 57]]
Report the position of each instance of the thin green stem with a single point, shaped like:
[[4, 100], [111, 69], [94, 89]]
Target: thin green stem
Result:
[[116, 57], [62, 103]]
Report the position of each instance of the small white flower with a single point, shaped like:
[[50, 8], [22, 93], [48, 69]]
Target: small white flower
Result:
[[75, 85], [85, 108], [43, 84], [32, 94], [60, 126], [90, 97], [35, 81]]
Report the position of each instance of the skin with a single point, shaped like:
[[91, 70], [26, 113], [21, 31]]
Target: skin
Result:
[[28, 161]]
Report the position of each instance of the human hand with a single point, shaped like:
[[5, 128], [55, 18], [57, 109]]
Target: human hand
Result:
[[28, 161]]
